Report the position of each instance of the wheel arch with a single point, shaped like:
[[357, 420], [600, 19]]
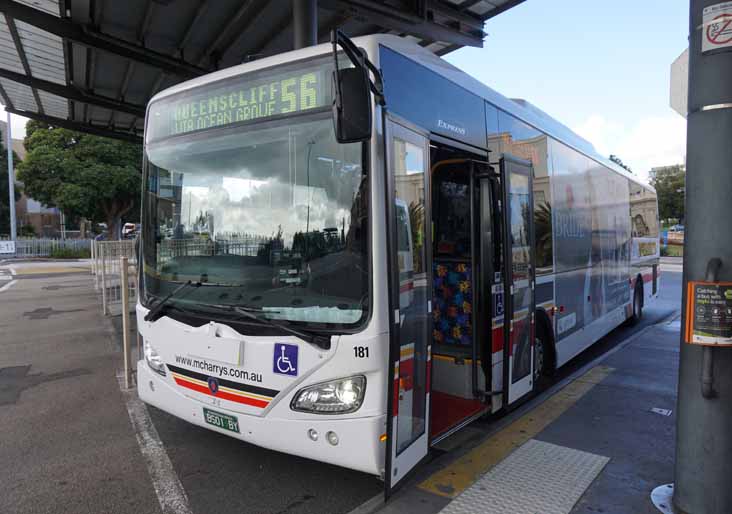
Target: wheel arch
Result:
[[544, 326]]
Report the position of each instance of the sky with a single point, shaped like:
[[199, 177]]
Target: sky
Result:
[[17, 127], [600, 67]]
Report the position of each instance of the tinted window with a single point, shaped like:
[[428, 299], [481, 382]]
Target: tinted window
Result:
[[516, 128], [521, 140]]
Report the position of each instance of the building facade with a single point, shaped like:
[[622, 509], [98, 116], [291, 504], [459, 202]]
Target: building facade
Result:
[[45, 221]]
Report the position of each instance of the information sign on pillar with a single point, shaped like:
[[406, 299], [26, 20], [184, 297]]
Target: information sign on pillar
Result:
[[709, 313], [717, 30]]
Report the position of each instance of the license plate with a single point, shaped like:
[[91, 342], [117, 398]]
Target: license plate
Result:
[[220, 420]]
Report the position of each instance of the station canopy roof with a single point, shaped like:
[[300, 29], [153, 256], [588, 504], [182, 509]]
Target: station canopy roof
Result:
[[93, 65]]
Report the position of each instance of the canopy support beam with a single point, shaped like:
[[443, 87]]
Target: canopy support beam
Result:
[[79, 127], [73, 93], [87, 36]]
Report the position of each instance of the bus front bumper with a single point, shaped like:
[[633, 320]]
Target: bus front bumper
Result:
[[359, 446]]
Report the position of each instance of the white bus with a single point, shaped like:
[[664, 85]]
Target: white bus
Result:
[[353, 279]]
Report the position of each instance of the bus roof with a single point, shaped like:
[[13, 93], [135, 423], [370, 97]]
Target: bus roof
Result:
[[521, 109]]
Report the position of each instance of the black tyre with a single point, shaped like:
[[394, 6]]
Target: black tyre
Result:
[[637, 306], [543, 368]]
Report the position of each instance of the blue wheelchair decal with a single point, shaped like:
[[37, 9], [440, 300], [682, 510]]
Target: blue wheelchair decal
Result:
[[285, 359]]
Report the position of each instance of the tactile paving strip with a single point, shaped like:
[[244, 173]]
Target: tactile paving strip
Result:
[[537, 478]]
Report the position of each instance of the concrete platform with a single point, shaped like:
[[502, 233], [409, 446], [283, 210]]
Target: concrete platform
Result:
[[67, 444], [617, 412]]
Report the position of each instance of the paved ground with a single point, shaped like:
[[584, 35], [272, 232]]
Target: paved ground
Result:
[[67, 444], [70, 447], [603, 408]]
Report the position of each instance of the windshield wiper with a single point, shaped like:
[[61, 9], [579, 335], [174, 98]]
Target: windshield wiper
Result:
[[155, 312], [320, 340]]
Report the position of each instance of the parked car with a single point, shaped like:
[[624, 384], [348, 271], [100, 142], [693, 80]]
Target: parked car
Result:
[[676, 228], [129, 230]]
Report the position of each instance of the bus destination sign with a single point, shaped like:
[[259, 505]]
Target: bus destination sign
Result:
[[242, 99], [709, 314]]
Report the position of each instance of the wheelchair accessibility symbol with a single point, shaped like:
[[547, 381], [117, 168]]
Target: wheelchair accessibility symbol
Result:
[[285, 359]]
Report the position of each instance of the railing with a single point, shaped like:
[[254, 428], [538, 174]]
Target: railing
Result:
[[128, 276], [25, 248], [107, 270], [245, 247]]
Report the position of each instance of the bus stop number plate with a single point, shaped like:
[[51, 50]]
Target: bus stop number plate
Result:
[[219, 420]]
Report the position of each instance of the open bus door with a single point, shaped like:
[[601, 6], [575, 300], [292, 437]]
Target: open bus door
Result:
[[519, 304], [408, 243]]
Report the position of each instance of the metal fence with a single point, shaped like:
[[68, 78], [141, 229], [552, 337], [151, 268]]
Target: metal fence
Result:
[[25, 248], [246, 247], [107, 270]]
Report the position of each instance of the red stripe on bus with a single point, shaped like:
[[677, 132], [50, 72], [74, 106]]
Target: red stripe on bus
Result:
[[221, 394], [406, 367], [406, 287], [395, 399], [647, 277], [497, 339], [429, 375]]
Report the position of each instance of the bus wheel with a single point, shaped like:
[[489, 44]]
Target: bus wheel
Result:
[[637, 305], [542, 360]]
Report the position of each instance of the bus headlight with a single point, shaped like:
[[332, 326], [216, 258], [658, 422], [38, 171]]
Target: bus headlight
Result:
[[153, 359], [335, 397]]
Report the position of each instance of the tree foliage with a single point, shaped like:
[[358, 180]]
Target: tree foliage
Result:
[[670, 184], [4, 192], [83, 175]]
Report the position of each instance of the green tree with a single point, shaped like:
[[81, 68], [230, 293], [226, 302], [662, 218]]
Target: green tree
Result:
[[670, 184], [4, 192], [83, 175]]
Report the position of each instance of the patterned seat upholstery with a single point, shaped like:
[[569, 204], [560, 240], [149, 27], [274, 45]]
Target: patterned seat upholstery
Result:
[[452, 304]]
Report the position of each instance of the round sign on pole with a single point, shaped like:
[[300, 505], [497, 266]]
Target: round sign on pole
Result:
[[717, 27]]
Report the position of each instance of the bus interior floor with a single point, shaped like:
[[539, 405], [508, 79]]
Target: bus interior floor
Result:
[[447, 411]]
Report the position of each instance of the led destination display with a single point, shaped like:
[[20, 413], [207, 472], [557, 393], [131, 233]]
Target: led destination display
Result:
[[246, 98]]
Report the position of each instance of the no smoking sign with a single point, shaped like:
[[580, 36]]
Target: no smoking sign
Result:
[[717, 27]]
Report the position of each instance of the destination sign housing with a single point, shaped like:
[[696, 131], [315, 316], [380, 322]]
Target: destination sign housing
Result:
[[246, 98]]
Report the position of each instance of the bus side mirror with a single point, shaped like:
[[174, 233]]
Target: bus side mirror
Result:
[[351, 105]]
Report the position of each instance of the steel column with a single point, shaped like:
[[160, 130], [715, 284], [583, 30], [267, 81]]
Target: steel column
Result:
[[11, 184], [304, 23], [704, 414]]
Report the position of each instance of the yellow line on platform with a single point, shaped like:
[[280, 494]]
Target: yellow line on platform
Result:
[[463, 472], [51, 269]]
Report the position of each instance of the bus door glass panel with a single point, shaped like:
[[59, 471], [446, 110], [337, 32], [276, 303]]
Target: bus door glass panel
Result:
[[519, 314], [487, 242], [411, 324]]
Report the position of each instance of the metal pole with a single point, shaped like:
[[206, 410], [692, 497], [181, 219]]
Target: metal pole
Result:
[[11, 185], [125, 290], [104, 279], [305, 23], [704, 410]]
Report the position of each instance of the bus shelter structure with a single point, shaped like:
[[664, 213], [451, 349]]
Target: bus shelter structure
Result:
[[92, 65]]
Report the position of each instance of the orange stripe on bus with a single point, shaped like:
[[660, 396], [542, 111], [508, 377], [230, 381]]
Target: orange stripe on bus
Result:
[[221, 394]]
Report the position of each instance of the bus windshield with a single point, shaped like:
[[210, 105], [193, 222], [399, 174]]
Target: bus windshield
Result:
[[269, 215]]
